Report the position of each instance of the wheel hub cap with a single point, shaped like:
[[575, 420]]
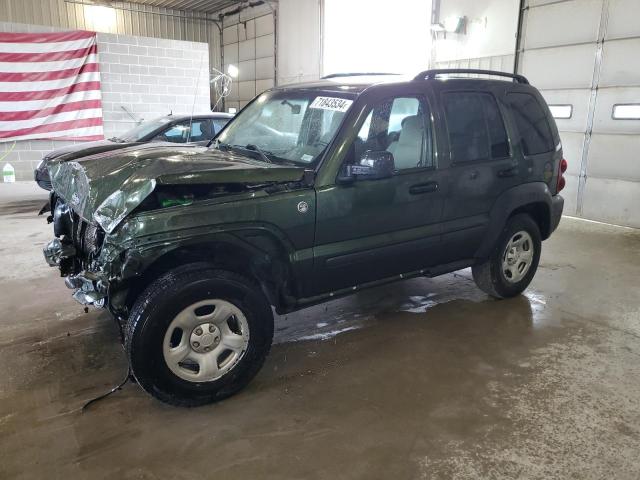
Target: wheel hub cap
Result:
[[205, 337], [517, 257], [206, 340]]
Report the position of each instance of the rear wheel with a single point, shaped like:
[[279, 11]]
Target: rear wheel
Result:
[[513, 262], [198, 335]]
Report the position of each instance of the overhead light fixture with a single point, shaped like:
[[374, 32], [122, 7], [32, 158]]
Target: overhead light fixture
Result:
[[455, 24], [232, 110], [232, 70]]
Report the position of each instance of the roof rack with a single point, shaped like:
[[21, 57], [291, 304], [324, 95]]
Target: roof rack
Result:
[[357, 74], [431, 74]]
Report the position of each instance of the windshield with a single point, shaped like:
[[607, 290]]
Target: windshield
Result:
[[138, 133], [293, 126]]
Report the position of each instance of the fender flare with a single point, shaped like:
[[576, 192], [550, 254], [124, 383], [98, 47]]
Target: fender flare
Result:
[[269, 256], [506, 203]]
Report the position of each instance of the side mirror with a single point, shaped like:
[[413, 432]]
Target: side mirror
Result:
[[374, 165]]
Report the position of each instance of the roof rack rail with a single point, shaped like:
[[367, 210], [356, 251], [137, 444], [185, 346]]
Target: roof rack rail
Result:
[[431, 74], [357, 74]]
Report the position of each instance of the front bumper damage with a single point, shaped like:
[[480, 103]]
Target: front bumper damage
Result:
[[90, 288], [56, 252]]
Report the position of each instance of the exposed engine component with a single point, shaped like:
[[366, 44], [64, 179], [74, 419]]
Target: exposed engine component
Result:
[[78, 242], [92, 240], [62, 219]]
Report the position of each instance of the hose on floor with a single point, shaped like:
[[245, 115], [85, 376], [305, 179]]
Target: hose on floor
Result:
[[105, 395], [128, 377]]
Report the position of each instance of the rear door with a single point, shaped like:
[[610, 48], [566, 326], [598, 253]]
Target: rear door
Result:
[[482, 165], [373, 229]]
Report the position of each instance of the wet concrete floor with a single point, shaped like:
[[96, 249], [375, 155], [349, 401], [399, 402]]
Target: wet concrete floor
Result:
[[425, 379]]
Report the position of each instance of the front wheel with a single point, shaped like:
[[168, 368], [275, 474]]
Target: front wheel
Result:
[[513, 262], [198, 335]]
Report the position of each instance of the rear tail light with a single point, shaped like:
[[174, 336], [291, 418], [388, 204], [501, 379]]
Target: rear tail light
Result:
[[562, 167]]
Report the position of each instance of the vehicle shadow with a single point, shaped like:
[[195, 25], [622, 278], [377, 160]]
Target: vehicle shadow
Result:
[[22, 207]]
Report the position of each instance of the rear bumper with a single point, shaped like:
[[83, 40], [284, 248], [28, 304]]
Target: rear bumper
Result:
[[557, 205]]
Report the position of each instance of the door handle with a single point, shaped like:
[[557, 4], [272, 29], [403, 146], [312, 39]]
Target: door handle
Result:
[[423, 188], [508, 172]]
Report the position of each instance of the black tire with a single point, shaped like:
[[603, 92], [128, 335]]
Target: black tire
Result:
[[158, 305], [489, 275]]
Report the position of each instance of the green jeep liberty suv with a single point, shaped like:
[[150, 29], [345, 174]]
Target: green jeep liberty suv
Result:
[[313, 191]]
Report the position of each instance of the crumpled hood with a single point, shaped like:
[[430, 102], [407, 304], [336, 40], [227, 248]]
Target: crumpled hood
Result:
[[106, 187]]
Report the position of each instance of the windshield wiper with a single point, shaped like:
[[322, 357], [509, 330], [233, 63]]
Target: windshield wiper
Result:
[[264, 154], [255, 148], [248, 148]]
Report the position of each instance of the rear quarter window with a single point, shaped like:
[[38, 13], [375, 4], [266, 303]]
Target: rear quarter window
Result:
[[532, 123]]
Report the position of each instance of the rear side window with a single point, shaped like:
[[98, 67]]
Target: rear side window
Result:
[[531, 121], [475, 126]]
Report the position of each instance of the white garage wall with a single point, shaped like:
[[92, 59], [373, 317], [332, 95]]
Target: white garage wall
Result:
[[299, 40], [585, 53], [490, 38], [149, 77], [387, 37]]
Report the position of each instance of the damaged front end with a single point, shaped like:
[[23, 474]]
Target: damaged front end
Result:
[[75, 251], [113, 215]]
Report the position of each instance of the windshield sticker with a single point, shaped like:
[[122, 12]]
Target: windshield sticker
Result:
[[331, 103], [306, 158]]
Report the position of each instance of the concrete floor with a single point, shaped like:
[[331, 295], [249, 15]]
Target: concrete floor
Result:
[[428, 378]]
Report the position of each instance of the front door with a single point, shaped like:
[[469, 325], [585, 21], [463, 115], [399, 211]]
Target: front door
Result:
[[372, 229]]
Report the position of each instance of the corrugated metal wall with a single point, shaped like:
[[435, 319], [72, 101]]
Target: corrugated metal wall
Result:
[[130, 19]]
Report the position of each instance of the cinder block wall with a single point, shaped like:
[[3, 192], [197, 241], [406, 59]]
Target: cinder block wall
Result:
[[149, 77]]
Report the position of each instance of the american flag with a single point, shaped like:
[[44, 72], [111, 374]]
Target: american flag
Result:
[[50, 86]]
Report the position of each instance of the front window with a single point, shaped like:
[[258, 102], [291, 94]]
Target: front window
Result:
[[219, 123], [141, 131], [197, 130], [401, 126], [292, 126]]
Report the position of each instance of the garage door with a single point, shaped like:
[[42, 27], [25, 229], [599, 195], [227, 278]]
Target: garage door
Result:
[[583, 56], [250, 46]]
